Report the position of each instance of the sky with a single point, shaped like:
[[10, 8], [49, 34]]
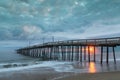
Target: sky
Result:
[[63, 19]]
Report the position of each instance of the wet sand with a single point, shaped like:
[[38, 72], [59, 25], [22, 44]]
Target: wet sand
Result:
[[94, 76], [49, 74]]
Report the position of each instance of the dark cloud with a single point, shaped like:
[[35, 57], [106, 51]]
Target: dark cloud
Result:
[[59, 18]]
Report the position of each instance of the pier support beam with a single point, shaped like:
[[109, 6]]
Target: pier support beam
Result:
[[107, 56], [58, 53], [89, 53], [51, 53], [62, 56], [77, 56], [101, 54], [72, 53], [114, 54], [66, 54], [80, 53], [94, 54], [69, 53], [85, 53]]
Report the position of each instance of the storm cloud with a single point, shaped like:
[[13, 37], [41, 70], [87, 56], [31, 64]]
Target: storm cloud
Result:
[[63, 19]]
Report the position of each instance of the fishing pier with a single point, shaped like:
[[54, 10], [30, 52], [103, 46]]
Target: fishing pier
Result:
[[73, 50]]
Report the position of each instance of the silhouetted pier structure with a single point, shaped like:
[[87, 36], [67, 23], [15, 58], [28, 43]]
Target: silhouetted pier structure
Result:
[[72, 50]]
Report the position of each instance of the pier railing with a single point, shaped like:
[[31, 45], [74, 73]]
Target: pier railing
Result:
[[93, 42]]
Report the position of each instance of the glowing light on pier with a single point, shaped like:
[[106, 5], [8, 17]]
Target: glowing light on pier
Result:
[[91, 49]]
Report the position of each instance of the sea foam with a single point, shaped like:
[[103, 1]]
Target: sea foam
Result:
[[57, 66]]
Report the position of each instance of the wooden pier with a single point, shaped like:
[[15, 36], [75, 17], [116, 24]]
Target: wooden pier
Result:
[[73, 50]]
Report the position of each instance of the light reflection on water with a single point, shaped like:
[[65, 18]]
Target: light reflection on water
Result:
[[92, 67], [97, 67]]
